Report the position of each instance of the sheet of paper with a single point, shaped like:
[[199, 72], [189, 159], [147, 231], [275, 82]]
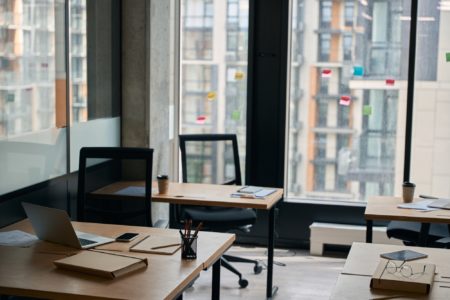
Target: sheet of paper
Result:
[[421, 205], [17, 238]]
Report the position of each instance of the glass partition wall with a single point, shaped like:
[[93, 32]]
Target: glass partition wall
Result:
[[45, 102], [32, 92]]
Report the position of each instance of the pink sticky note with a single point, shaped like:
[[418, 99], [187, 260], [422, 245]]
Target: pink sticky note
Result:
[[201, 120], [326, 73], [345, 100], [390, 81]]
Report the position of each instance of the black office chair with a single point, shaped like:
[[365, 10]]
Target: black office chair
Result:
[[194, 170], [409, 233], [130, 212]]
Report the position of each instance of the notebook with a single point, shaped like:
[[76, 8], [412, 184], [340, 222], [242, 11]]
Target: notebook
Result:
[[166, 245], [419, 282], [102, 264]]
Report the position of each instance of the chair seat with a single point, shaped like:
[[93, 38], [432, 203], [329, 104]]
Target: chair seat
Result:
[[409, 231], [221, 217]]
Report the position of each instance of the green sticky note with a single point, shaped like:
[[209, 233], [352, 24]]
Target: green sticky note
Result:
[[236, 115], [447, 56], [367, 110], [10, 98]]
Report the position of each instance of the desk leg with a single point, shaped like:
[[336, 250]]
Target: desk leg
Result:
[[423, 237], [216, 280], [369, 231], [270, 289]]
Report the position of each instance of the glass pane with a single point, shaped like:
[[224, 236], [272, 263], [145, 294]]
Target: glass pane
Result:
[[430, 164], [214, 69], [32, 97], [95, 97], [348, 85]]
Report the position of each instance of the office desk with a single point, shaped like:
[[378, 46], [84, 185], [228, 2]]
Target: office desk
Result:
[[385, 208], [206, 195], [30, 271], [354, 280]]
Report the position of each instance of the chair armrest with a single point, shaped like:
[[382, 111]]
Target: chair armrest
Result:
[[445, 242]]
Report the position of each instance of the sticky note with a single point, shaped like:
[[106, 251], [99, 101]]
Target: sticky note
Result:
[[447, 56], [238, 75], [345, 100], [201, 120], [326, 73], [390, 81], [358, 71], [367, 110], [211, 96], [236, 115]]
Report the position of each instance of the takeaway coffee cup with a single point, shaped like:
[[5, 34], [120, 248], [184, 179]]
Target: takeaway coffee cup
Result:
[[408, 191], [163, 184]]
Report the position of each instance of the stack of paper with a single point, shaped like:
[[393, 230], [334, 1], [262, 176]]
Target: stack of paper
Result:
[[253, 192]]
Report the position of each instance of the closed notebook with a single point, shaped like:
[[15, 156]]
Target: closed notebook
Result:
[[414, 277], [101, 263], [158, 245]]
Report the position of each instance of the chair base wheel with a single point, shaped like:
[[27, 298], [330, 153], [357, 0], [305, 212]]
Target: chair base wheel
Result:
[[257, 269], [243, 283]]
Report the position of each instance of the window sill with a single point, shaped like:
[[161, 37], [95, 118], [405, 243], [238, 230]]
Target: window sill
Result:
[[325, 202]]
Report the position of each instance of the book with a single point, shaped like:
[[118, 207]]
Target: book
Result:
[[154, 244], [102, 264], [404, 255], [419, 277]]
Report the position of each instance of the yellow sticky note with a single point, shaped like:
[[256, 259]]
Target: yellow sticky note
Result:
[[211, 96], [238, 75]]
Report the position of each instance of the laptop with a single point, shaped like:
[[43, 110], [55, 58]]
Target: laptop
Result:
[[440, 203], [53, 225]]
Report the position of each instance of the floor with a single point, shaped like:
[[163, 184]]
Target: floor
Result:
[[303, 277]]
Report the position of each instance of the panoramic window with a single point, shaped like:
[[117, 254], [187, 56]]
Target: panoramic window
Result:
[[214, 41], [353, 99]]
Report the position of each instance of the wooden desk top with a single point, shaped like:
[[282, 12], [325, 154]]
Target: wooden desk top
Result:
[[30, 271], [363, 258], [194, 194], [385, 208], [354, 280]]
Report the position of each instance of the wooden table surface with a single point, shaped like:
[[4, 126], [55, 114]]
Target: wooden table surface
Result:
[[193, 194], [30, 271], [354, 281], [385, 208]]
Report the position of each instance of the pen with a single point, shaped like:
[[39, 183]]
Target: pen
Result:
[[165, 246]]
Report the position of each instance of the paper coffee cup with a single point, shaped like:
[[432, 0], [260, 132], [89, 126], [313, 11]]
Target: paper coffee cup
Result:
[[408, 191]]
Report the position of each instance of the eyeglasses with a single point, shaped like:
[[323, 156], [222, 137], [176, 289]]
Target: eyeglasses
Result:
[[404, 269]]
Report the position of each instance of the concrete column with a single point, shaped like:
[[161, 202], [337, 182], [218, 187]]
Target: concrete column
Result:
[[149, 82], [135, 87]]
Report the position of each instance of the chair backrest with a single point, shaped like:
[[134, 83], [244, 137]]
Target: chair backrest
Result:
[[116, 153], [213, 147]]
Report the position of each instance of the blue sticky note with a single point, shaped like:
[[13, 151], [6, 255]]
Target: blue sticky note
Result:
[[358, 71]]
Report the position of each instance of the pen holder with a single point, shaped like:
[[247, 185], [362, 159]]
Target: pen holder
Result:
[[189, 247]]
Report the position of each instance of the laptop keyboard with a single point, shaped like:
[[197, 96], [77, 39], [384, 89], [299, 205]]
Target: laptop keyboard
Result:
[[85, 242]]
